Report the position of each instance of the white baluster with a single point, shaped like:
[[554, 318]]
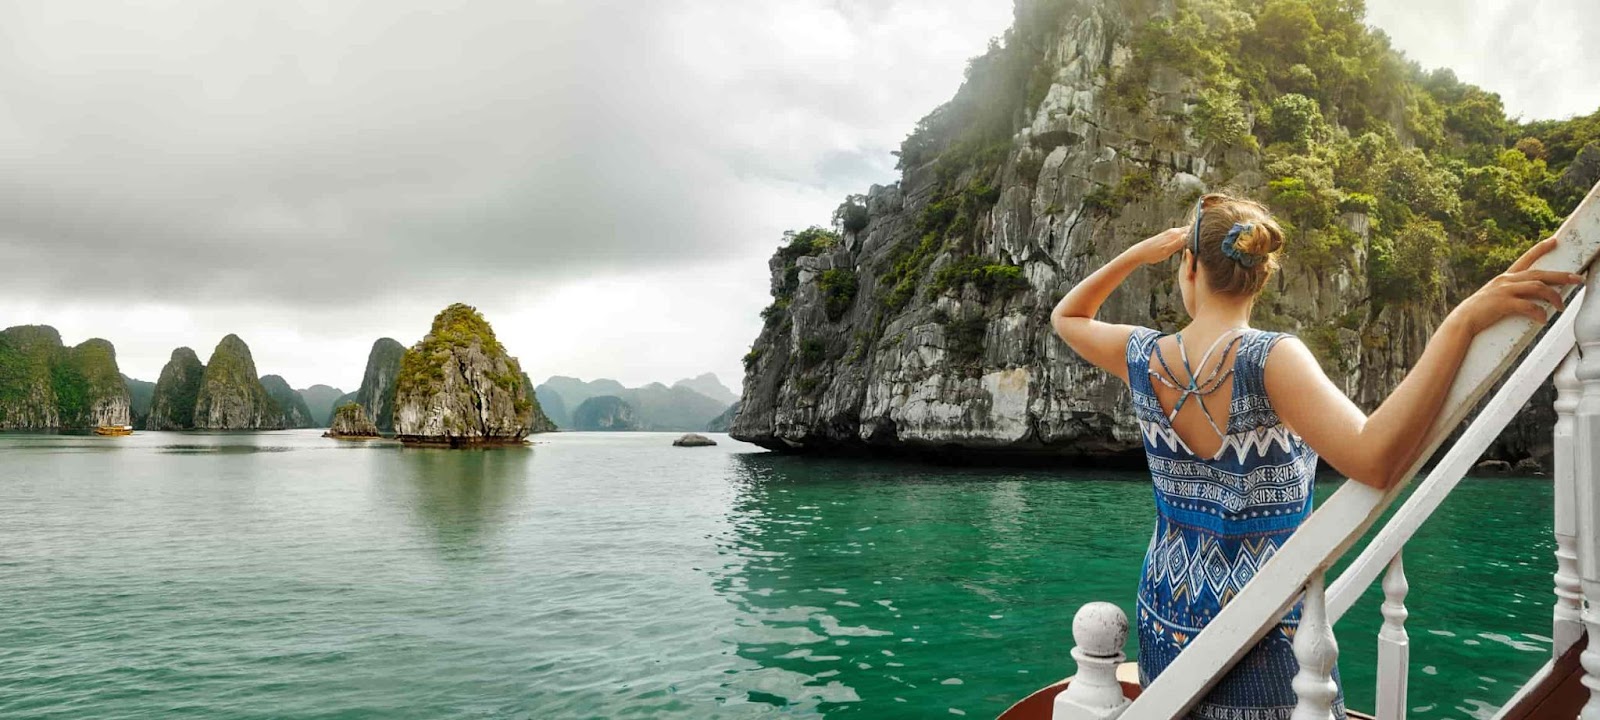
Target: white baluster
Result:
[[1586, 476], [1316, 650], [1098, 633], [1394, 645], [1567, 626]]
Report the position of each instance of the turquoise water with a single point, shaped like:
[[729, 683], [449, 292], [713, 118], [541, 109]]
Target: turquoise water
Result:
[[281, 575]]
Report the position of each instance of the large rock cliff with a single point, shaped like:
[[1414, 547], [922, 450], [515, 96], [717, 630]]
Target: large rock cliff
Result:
[[231, 396], [44, 385], [291, 407], [172, 405], [458, 386], [377, 390], [921, 323], [89, 388]]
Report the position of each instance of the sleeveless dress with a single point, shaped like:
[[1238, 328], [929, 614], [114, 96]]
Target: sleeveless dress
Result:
[[1218, 520]]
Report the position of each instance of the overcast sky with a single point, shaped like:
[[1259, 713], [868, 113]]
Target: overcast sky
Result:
[[605, 180]]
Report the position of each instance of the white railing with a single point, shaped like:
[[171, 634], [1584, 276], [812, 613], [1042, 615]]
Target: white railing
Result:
[[1299, 567]]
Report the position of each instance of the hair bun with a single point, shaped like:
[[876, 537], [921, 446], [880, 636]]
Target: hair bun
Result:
[[1261, 238]]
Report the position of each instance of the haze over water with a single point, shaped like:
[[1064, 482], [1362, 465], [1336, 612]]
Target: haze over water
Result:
[[281, 575]]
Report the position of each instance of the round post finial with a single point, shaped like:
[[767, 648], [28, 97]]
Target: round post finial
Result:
[[1099, 631]]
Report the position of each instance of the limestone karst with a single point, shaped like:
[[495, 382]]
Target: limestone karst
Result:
[[231, 396], [605, 413], [44, 384], [291, 407], [377, 390], [458, 386], [919, 322], [172, 404], [319, 400], [350, 421], [688, 404]]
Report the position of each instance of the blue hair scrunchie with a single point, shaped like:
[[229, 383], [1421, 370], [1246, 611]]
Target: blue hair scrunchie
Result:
[[1233, 253]]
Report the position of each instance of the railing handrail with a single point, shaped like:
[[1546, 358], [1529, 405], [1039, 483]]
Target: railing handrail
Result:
[[1537, 367], [1347, 514]]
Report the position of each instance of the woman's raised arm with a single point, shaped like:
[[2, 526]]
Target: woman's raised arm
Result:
[[1103, 343], [1377, 450]]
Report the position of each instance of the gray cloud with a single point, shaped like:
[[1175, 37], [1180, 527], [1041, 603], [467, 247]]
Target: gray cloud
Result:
[[327, 152], [370, 155]]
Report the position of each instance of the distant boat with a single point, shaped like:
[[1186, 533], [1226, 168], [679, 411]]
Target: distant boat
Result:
[[114, 430]]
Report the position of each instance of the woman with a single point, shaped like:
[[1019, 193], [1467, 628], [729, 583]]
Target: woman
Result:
[[1233, 439]]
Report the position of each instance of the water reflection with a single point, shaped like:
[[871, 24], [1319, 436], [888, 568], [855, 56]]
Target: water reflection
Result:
[[460, 497]]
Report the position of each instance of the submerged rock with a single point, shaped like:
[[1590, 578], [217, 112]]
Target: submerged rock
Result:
[[458, 386], [231, 397], [291, 407], [172, 404], [377, 390], [604, 412], [351, 421], [693, 440]]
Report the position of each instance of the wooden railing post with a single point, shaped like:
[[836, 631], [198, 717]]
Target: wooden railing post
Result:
[[1586, 476], [1099, 631], [1316, 650], [1567, 625], [1394, 645]]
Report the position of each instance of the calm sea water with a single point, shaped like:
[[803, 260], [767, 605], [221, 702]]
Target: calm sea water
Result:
[[281, 575]]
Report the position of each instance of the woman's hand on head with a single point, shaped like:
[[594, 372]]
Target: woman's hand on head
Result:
[[1160, 246], [1517, 291]]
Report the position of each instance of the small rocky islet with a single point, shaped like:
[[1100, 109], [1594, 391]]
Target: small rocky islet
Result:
[[459, 387]]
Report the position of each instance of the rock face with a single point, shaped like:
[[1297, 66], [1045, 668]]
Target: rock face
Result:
[[319, 399], [45, 385], [291, 407], [172, 404], [351, 421], [458, 386], [538, 420], [604, 413], [140, 395], [377, 390], [922, 325], [231, 396], [89, 389]]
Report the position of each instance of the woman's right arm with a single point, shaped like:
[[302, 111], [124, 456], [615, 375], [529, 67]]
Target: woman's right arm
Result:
[[1379, 449]]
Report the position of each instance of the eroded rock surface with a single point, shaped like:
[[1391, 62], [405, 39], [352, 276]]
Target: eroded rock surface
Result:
[[458, 386]]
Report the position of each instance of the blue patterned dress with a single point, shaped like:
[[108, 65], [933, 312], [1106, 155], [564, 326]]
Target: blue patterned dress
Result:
[[1218, 520]]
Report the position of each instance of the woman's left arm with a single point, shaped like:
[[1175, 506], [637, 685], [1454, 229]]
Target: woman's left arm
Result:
[[1101, 343]]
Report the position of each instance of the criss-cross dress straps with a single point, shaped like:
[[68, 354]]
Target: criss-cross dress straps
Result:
[[1197, 386]]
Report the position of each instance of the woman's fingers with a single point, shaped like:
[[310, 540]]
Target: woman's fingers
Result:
[[1551, 277], [1532, 255], [1531, 310], [1538, 291]]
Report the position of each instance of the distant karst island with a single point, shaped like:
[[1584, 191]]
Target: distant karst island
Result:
[[455, 387]]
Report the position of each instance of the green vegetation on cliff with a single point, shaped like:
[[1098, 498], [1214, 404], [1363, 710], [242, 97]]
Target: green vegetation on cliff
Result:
[[231, 396], [172, 405], [457, 385], [290, 405], [46, 385]]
